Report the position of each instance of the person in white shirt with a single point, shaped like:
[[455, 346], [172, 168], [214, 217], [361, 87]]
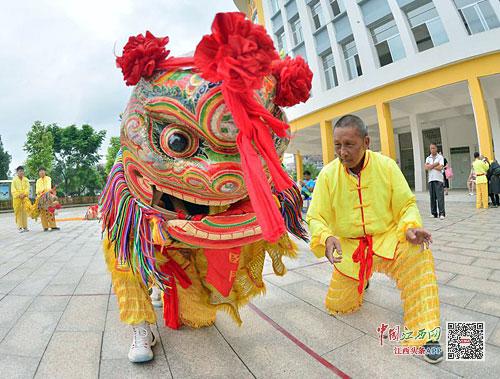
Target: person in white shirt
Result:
[[434, 165]]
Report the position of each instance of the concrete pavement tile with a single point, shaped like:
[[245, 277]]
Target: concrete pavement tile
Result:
[[289, 278], [485, 369], [489, 263], [323, 332], [14, 367], [383, 296], [71, 355], [209, 356], [123, 369], [113, 303], [457, 268], [31, 334], [464, 259], [49, 304], [274, 296], [59, 289], [494, 338], [11, 309], [266, 352], [495, 276], [455, 296], [31, 286], [443, 277], [94, 284], [369, 317], [310, 291], [487, 287], [375, 361], [317, 273], [6, 286], [84, 313], [485, 304]]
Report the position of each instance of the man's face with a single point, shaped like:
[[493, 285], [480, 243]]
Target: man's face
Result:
[[433, 149], [350, 146], [41, 173], [20, 173]]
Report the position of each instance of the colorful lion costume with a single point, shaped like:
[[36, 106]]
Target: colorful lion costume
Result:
[[47, 202], [198, 195]]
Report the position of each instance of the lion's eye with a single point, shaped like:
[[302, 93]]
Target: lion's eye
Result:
[[178, 143]]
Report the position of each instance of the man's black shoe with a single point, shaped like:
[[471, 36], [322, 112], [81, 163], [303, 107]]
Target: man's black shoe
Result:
[[433, 352]]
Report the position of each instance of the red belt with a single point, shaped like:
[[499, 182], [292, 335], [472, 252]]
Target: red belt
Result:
[[364, 256], [479, 174]]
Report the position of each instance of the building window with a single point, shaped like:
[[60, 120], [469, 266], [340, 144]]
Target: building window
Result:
[[317, 15], [300, 52], [426, 26], [337, 7], [296, 27], [274, 6], [477, 16], [387, 42], [280, 40], [329, 70], [351, 57]]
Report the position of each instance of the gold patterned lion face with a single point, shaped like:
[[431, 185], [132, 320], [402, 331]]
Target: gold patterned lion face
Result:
[[179, 142]]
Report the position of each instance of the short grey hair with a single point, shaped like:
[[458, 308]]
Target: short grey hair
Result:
[[352, 121]]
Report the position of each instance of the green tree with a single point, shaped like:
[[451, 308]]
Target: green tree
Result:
[[76, 153], [5, 159], [114, 146], [39, 146]]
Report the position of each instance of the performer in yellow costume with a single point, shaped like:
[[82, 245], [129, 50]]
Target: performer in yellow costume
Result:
[[44, 185], [20, 189], [189, 208], [480, 167], [364, 218]]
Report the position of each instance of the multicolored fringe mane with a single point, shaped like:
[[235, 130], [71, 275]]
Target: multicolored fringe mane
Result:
[[128, 224], [291, 210]]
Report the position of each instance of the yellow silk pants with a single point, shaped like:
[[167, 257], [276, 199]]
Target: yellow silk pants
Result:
[[413, 271], [134, 301], [48, 220], [482, 195], [21, 210]]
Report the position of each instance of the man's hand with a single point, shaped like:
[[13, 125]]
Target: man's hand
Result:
[[418, 236], [333, 244]]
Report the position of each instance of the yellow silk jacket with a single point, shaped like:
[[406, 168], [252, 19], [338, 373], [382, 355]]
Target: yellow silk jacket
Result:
[[19, 187], [480, 169], [377, 203], [43, 185]]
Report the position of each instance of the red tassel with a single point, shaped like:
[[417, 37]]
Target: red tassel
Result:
[[170, 297]]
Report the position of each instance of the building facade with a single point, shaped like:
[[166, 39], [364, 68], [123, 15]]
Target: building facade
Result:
[[416, 71]]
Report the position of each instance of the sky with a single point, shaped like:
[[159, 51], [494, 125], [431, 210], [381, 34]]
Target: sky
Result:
[[57, 58]]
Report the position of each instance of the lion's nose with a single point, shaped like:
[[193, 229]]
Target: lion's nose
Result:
[[228, 184]]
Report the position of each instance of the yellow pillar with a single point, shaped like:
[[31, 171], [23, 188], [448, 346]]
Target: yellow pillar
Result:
[[260, 12], [483, 126], [299, 166], [327, 145], [386, 130]]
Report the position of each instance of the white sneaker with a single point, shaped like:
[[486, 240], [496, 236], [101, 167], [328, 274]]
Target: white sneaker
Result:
[[441, 217], [156, 297], [144, 340]]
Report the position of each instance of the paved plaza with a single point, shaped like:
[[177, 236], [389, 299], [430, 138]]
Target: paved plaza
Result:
[[59, 317]]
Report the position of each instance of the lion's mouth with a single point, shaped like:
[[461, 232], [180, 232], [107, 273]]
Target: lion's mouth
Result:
[[171, 206]]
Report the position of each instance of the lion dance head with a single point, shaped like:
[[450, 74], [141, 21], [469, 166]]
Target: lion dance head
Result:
[[202, 139]]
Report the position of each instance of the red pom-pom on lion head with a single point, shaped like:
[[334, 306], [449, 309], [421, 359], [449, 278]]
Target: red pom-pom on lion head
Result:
[[294, 79]]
